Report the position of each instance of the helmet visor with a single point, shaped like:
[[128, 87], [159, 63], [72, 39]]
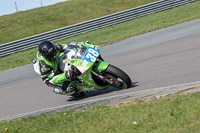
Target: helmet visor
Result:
[[51, 54]]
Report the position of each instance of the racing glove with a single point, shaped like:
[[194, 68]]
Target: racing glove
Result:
[[59, 48]]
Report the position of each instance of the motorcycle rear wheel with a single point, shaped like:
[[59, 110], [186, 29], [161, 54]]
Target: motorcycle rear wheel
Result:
[[119, 78]]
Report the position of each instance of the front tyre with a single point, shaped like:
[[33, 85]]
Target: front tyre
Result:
[[119, 78]]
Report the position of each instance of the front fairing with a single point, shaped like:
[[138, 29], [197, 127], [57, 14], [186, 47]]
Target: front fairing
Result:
[[82, 58]]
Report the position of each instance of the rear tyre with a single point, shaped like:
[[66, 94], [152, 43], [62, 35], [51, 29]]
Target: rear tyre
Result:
[[119, 78]]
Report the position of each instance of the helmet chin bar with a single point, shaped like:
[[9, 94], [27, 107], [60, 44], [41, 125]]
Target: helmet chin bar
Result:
[[51, 56]]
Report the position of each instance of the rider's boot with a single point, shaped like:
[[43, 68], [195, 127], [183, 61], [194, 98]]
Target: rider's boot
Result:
[[71, 90], [63, 91], [59, 91]]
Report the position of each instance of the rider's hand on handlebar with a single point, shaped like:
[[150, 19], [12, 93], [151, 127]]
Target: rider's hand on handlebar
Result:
[[59, 48]]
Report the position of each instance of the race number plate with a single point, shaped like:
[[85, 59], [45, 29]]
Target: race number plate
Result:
[[91, 55]]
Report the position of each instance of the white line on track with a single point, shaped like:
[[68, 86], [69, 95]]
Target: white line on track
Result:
[[95, 100]]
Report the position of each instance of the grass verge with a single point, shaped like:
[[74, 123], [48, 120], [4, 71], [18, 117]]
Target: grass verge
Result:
[[39, 20], [174, 114], [116, 32]]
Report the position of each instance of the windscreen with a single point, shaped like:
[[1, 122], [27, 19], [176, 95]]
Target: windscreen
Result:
[[79, 51]]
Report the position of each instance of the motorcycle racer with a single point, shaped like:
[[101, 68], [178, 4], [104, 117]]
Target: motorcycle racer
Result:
[[46, 65]]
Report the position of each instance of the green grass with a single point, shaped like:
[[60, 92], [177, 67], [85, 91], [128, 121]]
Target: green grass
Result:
[[175, 114], [116, 32], [39, 20]]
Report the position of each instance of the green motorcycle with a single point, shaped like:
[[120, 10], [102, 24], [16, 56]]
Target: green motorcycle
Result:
[[94, 72]]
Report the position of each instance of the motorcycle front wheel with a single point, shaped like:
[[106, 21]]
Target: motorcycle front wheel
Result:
[[119, 78]]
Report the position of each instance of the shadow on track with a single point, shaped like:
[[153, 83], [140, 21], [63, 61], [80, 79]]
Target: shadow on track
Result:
[[99, 92]]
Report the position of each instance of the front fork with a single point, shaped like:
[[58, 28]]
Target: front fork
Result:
[[102, 77], [99, 68]]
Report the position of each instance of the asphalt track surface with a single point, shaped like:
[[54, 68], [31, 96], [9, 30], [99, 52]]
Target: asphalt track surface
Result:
[[165, 57]]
